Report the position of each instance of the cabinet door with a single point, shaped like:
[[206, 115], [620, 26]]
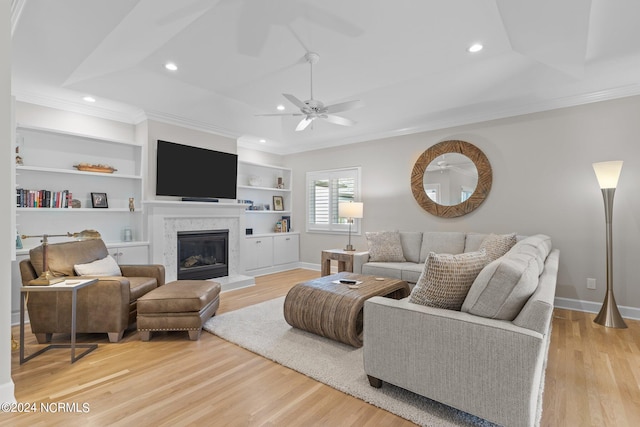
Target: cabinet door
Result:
[[259, 252], [131, 254], [286, 249]]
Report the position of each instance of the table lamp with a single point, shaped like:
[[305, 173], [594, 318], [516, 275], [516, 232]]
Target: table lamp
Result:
[[350, 210], [47, 277], [608, 174]]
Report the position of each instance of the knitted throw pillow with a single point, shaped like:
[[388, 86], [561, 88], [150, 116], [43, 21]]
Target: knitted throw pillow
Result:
[[497, 245], [446, 279], [385, 246]]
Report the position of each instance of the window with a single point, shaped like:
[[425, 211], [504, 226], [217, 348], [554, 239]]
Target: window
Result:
[[325, 189]]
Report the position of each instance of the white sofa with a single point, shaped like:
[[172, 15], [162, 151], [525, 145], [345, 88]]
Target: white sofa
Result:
[[489, 367]]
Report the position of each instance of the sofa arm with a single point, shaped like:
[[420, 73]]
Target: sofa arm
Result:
[[359, 259], [490, 368], [152, 270]]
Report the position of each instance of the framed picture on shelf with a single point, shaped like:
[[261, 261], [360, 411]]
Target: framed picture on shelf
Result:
[[99, 200], [278, 203]]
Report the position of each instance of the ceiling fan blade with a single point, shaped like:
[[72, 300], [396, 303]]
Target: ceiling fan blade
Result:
[[304, 123], [338, 120], [343, 106], [280, 114], [295, 101]]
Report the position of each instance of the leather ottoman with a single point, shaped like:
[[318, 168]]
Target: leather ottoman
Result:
[[183, 305]]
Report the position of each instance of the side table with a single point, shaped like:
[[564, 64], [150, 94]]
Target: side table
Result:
[[66, 286], [344, 258]]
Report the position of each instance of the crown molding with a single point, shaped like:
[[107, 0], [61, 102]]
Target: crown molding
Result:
[[505, 112], [119, 115], [184, 122]]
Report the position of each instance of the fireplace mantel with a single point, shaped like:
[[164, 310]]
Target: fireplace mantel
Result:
[[166, 218]]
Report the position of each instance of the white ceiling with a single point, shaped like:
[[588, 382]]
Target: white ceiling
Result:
[[406, 60]]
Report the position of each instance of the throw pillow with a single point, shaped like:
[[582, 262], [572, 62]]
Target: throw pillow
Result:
[[103, 267], [446, 279], [385, 246], [497, 245]]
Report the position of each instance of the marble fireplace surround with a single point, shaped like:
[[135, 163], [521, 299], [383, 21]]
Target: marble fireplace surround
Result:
[[166, 218]]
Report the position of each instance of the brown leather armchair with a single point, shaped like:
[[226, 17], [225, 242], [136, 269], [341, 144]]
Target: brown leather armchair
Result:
[[108, 306]]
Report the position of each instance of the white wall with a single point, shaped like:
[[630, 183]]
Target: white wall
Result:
[[543, 182], [7, 192]]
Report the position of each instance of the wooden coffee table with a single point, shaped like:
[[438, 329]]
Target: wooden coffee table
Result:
[[334, 310]]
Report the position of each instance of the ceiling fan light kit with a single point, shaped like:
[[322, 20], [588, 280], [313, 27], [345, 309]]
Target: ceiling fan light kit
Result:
[[313, 109]]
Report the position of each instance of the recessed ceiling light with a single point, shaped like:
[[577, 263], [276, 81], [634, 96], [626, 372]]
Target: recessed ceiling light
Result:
[[171, 66], [280, 107], [262, 141], [477, 47], [89, 99]]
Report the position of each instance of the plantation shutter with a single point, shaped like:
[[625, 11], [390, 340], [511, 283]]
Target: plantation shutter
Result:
[[325, 190]]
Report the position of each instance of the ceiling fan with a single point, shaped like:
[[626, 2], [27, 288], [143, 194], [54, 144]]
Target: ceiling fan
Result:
[[313, 109]]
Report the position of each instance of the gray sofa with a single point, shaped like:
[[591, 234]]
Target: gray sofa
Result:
[[481, 364]]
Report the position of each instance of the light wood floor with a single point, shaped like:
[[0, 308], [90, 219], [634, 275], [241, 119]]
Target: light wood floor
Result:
[[593, 379]]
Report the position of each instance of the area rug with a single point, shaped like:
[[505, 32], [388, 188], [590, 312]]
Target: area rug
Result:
[[261, 328]]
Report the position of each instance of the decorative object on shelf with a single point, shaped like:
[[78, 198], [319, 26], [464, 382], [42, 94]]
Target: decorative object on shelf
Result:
[[18, 240], [255, 181], [19, 142], [99, 200], [280, 183], [86, 167], [127, 234], [278, 227], [47, 278], [132, 206], [278, 203], [248, 231], [350, 210], [76, 204], [608, 174]]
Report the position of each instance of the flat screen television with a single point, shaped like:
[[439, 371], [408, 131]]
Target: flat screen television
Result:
[[195, 173]]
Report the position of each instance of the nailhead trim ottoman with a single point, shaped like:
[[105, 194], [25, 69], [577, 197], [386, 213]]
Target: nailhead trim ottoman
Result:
[[183, 305]]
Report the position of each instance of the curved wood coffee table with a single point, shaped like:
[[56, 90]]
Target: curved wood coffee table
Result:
[[334, 310]]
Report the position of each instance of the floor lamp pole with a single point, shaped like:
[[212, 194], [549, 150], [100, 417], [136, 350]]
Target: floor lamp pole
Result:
[[609, 315]]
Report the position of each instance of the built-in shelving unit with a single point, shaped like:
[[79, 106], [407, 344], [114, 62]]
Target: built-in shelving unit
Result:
[[258, 183], [265, 249], [48, 158]]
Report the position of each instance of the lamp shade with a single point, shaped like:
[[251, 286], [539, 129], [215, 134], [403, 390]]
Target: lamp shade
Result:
[[350, 209], [608, 173]]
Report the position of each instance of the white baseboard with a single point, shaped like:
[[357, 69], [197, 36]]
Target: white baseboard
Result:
[[6, 392], [594, 307]]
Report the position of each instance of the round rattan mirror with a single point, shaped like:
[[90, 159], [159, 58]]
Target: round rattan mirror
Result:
[[435, 157]]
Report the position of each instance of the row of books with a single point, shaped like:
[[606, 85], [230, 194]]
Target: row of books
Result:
[[283, 225], [42, 198]]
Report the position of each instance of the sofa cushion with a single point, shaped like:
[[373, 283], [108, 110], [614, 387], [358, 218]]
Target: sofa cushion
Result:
[[538, 245], [411, 272], [441, 242], [384, 246], [384, 269], [411, 242], [139, 286], [446, 279], [106, 266], [503, 287], [473, 241], [497, 245], [61, 257]]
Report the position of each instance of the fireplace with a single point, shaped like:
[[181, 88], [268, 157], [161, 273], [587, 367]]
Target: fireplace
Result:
[[203, 254]]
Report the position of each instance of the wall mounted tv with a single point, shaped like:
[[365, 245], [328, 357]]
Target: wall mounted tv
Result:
[[195, 173]]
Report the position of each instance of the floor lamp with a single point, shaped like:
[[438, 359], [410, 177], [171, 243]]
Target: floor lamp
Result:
[[608, 174], [350, 210]]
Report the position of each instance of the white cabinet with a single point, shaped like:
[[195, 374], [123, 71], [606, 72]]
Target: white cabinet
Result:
[[259, 184], [130, 254], [259, 252], [47, 171], [286, 248]]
